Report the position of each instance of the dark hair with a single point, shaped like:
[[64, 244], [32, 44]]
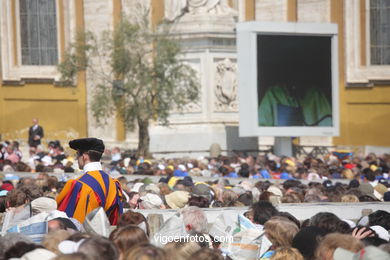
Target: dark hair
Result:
[[224, 170], [243, 172], [373, 241], [3, 204], [380, 218], [329, 222], [263, 211], [246, 198], [290, 217], [199, 201], [290, 183], [94, 156], [369, 174], [19, 249], [307, 240], [132, 218]]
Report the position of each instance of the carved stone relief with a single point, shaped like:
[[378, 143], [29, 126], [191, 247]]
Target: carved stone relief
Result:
[[226, 86]]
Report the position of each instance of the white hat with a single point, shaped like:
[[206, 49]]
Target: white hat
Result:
[[39, 253], [350, 223], [313, 176], [69, 247], [126, 161], [151, 201], [161, 166], [381, 232], [137, 186], [275, 190], [181, 167], [44, 204]]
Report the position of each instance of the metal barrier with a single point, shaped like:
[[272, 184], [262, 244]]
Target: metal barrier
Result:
[[155, 179], [301, 211]]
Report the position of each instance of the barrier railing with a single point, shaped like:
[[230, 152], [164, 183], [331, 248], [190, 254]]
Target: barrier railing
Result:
[[155, 179], [301, 211]]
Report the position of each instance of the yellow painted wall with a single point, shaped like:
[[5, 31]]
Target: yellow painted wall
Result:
[[364, 112], [366, 117], [61, 111]]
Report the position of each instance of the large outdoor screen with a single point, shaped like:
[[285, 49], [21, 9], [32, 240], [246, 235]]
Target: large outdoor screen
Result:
[[288, 79]]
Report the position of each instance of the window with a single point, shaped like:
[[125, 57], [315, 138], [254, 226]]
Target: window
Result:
[[38, 32], [367, 42], [33, 35], [380, 32]]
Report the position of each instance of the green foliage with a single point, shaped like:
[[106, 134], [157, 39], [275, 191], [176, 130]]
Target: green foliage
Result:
[[136, 72]]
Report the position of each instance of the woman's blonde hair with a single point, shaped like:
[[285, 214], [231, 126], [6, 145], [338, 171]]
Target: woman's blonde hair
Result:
[[287, 253], [53, 239], [145, 251], [280, 232], [332, 241], [349, 198], [181, 250]]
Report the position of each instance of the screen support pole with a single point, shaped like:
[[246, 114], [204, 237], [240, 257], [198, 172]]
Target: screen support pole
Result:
[[283, 146]]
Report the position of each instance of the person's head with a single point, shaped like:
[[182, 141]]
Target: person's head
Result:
[[19, 249], [133, 218], [88, 150], [289, 253], [53, 239], [369, 174], [206, 254], [35, 121], [99, 248], [379, 218], [280, 232], [290, 217], [127, 237], [307, 240], [198, 201], [349, 198], [246, 198], [10, 239], [61, 224], [73, 256], [145, 252], [329, 222], [332, 241], [181, 250], [263, 211], [194, 219]]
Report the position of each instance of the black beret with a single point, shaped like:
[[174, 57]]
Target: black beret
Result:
[[86, 144]]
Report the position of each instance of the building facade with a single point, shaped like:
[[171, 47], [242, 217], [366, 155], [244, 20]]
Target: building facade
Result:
[[35, 35]]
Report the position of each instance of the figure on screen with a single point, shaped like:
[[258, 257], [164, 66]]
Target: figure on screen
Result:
[[292, 106]]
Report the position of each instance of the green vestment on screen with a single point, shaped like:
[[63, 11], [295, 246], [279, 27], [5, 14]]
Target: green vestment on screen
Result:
[[315, 107]]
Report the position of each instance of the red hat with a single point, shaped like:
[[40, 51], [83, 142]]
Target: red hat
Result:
[[349, 166], [7, 186]]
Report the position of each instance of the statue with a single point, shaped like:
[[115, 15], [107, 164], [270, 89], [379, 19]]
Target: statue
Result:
[[178, 8]]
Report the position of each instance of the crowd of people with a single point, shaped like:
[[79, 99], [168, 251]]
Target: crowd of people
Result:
[[269, 234]]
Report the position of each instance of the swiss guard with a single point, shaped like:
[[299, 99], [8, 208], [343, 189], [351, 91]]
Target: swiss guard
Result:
[[94, 188]]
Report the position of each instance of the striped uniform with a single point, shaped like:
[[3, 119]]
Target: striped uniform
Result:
[[91, 190]]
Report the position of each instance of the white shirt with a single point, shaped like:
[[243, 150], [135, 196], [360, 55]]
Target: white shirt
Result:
[[92, 166]]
